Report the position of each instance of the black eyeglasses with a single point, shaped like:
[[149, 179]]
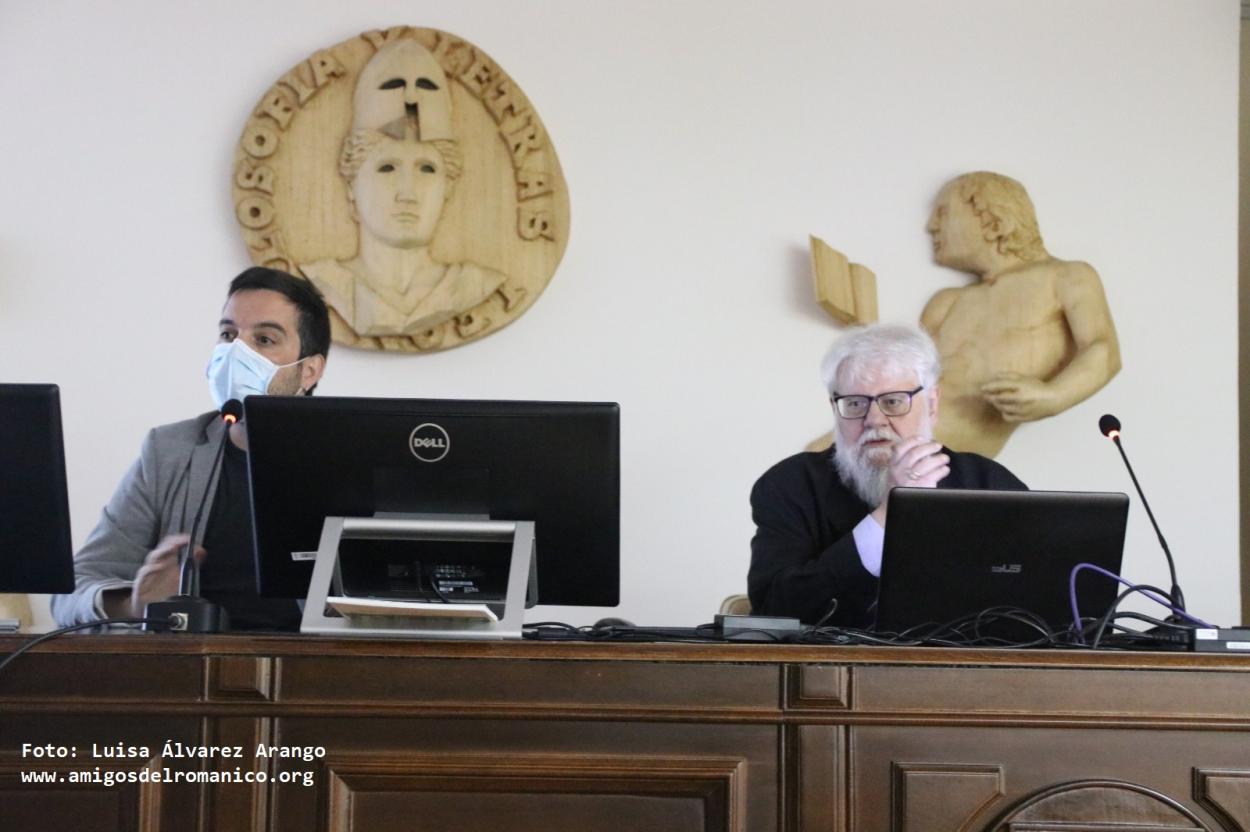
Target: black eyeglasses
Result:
[[895, 403]]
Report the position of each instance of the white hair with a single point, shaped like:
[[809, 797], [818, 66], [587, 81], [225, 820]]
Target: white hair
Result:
[[877, 348]]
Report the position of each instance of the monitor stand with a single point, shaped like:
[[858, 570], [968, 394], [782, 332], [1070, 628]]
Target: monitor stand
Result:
[[420, 620]]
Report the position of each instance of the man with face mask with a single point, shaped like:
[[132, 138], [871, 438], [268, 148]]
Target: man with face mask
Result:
[[273, 338], [820, 517]]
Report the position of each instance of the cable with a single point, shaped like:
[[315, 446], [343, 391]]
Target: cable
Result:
[[1155, 594], [155, 622], [1145, 589], [833, 607], [994, 627]]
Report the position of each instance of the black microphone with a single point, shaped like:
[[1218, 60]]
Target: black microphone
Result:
[[1110, 427], [192, 613]]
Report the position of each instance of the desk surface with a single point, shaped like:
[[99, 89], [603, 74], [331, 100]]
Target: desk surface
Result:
[[137, 643]]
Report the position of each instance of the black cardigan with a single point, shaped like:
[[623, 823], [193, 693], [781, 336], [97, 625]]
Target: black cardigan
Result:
[[803, 554]]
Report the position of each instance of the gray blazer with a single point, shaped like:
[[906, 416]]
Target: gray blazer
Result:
[[158, 496]]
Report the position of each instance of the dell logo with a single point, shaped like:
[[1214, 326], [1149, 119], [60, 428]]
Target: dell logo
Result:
[[1006, 569], [429, 442]]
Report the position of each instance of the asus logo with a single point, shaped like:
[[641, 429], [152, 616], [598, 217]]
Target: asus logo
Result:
[[1006, 569]]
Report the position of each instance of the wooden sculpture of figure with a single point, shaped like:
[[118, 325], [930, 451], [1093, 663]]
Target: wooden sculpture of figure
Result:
[[400, 162], [1031, 337]]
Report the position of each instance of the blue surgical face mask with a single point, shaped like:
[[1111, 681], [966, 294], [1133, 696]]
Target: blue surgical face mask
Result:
[[236, 370]]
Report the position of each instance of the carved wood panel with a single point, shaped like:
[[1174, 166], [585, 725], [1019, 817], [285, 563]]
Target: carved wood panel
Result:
[[103, 768], [1226, 795], [238, 807], [1096, 805], [240, 677], [570, 774], [536, 792], [75, 805], [1036, 762], [817, 791], [590, 689], [933, 796]]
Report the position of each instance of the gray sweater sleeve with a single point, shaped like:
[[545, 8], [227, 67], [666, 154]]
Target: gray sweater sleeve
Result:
[[129, 527]]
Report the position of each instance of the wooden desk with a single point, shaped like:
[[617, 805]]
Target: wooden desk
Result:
[[546, 736]]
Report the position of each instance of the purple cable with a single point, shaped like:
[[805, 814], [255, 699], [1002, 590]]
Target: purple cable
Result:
[[1076, 613]]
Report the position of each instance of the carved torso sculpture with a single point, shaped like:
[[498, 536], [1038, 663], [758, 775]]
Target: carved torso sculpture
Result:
[[1030, 338]]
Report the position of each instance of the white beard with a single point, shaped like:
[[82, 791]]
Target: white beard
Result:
[[867, 472], [869, 479]]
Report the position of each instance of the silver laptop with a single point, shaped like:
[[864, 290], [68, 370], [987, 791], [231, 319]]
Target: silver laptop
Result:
[[951, 553]]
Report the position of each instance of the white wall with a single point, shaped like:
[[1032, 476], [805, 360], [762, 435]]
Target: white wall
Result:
[[702, 142]]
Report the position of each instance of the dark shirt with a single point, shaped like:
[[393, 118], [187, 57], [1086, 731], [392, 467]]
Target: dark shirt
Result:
[[803, 555], [228, 574]]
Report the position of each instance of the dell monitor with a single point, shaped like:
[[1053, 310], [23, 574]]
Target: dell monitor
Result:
[[556, 464], [36, 553]]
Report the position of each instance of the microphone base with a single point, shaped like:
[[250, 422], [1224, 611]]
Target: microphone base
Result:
[[189, 614]]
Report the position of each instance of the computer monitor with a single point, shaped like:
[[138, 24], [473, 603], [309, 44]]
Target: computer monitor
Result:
[[36, 552], [554, 463]]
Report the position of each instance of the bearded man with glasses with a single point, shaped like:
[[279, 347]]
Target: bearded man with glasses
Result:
[[820, 517]]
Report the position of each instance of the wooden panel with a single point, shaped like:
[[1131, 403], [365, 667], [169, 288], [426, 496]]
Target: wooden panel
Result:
[[240, 678], [1036, 692], [1226, 795], [238, 807], [1033, 760], [508, 752], [534, 792], [595, 689], [1099, 805], [42, 678], [86, 741], [819, 686], [931, 797], [113, 798], [819, 780]]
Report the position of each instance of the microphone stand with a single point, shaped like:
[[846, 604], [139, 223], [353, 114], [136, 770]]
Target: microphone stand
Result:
[[1110, 427], [188, 612]]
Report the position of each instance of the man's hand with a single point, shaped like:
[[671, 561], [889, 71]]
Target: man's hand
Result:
[[157, 578], [917, 462], [1020, 398]]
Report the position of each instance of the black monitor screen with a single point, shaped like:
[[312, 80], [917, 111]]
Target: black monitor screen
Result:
[[556, 463], [36, 553]]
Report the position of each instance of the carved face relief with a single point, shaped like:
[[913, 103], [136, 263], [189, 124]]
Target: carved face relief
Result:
[[409, 178], [404, 82], [399, 192], [958, 241]]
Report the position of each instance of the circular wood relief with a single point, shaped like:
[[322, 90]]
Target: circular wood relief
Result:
[[412, 181], [1099, 804]]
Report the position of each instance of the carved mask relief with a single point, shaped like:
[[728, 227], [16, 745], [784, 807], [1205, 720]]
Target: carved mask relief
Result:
[[410, 179]]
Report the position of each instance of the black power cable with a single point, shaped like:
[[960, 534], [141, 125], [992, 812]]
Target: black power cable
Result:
[[156, 623]]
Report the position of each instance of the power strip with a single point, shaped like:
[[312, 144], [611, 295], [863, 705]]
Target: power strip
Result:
[[1222, 640], [757, 627]]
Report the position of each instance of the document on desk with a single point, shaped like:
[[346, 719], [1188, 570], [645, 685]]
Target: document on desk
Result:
[[410, 609]]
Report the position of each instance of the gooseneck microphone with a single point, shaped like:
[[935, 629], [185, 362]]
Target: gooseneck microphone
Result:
[[1110, 427], [189, 579], [189, 611]]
